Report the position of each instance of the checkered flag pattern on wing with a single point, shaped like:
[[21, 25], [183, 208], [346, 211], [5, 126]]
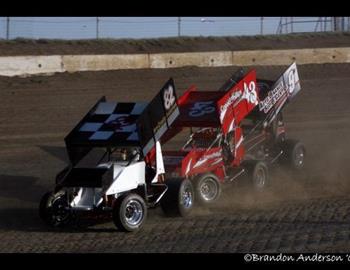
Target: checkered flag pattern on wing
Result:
[[112, 121]]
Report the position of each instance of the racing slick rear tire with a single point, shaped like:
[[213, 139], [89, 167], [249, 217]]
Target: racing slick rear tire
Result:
[[294, 154], [179, 198], [129, 212], [258, 174], [54, 209], [207, 188]]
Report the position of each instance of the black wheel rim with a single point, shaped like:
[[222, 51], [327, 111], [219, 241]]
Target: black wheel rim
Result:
[[59, 210]]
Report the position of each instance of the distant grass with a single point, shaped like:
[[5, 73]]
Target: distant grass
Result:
[[175, 40]]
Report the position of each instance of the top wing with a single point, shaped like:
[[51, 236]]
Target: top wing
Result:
[[274, 96], [113, 124], [223, 108], [110, 123], [157, 118], [239, 101], [106, 124]]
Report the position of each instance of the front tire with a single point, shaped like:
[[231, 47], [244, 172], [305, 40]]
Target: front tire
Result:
[[207, 189], [129, 212], [179, 198]]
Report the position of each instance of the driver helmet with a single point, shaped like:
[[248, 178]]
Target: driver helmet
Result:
[[124, 154], [135, 153]]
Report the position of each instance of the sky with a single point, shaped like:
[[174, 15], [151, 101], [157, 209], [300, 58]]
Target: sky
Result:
[[144, 27]]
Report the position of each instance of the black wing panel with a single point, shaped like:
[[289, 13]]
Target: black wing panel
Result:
[[159, 115]]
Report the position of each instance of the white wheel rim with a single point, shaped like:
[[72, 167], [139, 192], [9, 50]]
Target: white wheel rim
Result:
[[186, 197], [209, 189], [260, 178], [133, 212], [299, 157]]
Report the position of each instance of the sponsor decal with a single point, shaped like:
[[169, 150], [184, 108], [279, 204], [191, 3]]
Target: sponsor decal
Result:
[[273, 96], [285, 87], [230, 100], [247, 93], [202, 107], [121, 123], [292, 80], [169, 97], [205, 158]]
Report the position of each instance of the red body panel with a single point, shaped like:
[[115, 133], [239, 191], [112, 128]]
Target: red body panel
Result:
[[200, 161], [194, 162]]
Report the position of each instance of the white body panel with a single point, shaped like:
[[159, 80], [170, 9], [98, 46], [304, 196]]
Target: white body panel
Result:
[[87, 197], [127, 178], [159, 162]]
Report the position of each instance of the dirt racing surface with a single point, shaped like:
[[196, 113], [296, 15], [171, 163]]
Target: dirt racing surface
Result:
[[173, 44], [305, 212]]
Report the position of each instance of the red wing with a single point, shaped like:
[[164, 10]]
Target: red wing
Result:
[[239, 101]]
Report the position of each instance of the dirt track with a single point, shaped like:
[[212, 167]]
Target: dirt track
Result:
[[309, 212]]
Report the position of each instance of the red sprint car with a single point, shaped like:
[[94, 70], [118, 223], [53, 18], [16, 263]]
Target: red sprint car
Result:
[[235, 131]]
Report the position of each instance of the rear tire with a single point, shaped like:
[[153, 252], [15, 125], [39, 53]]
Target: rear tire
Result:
[[54, 209], [207, 189], [258, 174], [179, 198], [43, 213], [129, 212], [294, 154]]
